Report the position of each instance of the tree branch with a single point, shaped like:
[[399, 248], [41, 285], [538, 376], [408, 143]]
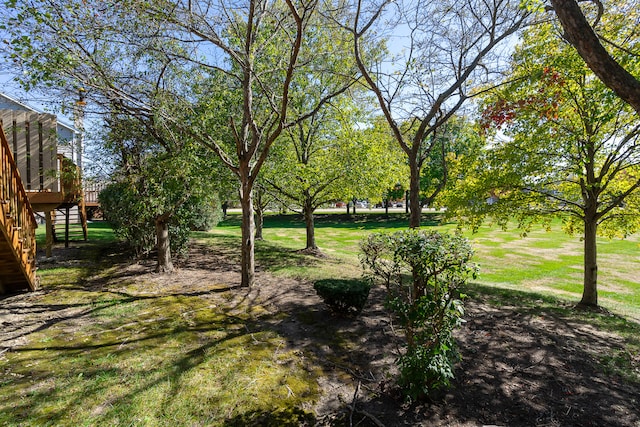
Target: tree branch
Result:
[[582, 36]]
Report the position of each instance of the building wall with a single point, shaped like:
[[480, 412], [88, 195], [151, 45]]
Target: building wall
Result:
[[33, 139], [67, 136]]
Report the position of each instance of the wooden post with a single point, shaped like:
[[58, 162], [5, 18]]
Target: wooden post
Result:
[[66, 228], [49, 234]]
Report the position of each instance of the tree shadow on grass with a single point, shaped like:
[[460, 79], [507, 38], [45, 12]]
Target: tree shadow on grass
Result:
[[276, 417], [525, 360], [88, 380], [364, 221], [117, 346], [269, 256], [375, 221]]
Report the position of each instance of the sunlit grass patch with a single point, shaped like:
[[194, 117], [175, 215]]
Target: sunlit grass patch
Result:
[[164, 360], [97, 231], [551, 261], [124, 355], [59, 277]]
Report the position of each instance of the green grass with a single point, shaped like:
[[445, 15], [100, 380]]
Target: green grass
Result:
[[112, 352], [337, 235], [548, 262], [551, 262], [99, 231], [150, 361]]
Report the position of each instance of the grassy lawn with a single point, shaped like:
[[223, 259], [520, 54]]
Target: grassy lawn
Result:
[[546, 262], [102, 348], [551, 263], [112, 352], [100, 231], [337, 235]]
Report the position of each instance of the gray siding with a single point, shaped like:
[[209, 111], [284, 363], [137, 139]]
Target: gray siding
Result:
[[32, 137]]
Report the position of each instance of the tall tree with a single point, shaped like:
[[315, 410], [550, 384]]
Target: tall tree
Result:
[[263, 199], [261, 46], [157, 195], [456, 138], [305, 170], [443, 50], [94, 48], [258, 45], [572, 151], [332, 156]]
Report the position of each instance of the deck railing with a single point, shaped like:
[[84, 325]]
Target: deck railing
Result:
[[17, 220], [92, 190]]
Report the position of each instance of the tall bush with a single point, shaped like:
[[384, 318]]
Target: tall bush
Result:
[[133, 217], [423, 273]]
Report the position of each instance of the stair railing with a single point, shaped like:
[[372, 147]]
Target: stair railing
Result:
[[17, 224]]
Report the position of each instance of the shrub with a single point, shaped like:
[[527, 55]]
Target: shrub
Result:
[[342, 295], [133, 216], [423, 273]]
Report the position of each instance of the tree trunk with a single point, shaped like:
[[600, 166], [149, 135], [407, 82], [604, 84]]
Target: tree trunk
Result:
[[580, 34], [165, 265], [414, 195], [259, 209], [259, 222], [66, 227], [248, 234], [310, 224], [406, 201], [48, 234], [590, 291]]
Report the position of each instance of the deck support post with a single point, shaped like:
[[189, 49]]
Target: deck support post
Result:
[[66, 227], [49, 234]]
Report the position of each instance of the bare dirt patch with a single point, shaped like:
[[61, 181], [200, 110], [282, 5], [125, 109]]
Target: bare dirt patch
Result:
[[519, 367]]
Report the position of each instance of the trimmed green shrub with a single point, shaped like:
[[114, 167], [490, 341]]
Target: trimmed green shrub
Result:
[[345, 296], [423, 273]]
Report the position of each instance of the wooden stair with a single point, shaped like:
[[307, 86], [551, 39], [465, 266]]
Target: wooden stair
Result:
[[17, 227]]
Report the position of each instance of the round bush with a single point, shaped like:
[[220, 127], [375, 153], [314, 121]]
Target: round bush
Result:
[[345, 296]]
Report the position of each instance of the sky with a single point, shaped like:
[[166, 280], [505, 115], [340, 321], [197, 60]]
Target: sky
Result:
[[34, 99]]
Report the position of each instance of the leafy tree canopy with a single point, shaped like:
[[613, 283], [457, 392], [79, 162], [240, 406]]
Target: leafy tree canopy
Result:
[[568, 148]]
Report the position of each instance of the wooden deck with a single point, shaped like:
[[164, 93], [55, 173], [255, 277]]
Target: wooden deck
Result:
[[57, 205], [91, 192], [70, 189], [17, 227]]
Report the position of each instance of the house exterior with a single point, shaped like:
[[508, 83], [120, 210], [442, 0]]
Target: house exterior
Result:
[[17, 226], [39, 177], [46, 136]]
